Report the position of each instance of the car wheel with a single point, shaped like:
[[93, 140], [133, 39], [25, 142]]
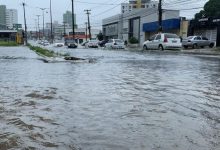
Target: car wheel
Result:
[[211, 45], [161, 47], [185, 46], [145, 47], [194, 46]]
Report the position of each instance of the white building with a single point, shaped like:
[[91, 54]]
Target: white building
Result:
[[11, 17], [138, 4], [141, 24]]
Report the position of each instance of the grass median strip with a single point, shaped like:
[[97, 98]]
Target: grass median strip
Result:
[[45, 52], [8, 43]]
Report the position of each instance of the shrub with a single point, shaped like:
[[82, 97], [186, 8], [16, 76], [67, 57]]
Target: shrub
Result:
[[133, 40]]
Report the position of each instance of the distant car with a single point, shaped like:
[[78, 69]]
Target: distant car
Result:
[[115, 44], [45, 43], [197, 41], [72, 45], [92, 44], [163, 41], [102, 43], [59, 44]]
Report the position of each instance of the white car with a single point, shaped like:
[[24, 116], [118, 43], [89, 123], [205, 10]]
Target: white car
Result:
[[115, 44], [163, 41], [59, 44], [92, 44]]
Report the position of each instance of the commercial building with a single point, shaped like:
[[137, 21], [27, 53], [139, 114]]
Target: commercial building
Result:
[[141, 24], [208, 27], [67, 18], [3, 17], [11, 18], [137, 4]]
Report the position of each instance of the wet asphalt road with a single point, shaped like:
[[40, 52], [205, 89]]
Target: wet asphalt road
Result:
[[122, 101]]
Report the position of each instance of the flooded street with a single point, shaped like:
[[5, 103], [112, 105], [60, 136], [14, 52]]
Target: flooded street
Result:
[[122, 101]]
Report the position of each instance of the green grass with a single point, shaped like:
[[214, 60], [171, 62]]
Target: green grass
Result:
[[8, 43], [45, 52]]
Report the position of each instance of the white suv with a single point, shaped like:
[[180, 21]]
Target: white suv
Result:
[[163, 41]]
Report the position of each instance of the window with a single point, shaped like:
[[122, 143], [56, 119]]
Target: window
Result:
[[197, 38], [158, 37], [152, 38], [204, 38]]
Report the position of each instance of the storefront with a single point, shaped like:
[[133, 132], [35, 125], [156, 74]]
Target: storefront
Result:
[[208, 27]]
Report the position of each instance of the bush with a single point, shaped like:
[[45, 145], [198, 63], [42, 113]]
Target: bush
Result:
[[133, 40]]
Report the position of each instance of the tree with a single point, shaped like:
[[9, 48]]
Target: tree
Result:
[[100, 36], [211, 9]]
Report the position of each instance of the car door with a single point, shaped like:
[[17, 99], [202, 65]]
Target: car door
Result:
[[150, 42], [157, 41], [205, 41], [198, 41]]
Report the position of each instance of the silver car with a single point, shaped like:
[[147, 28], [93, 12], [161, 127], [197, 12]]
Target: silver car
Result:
[[197, 41], [115, 44]]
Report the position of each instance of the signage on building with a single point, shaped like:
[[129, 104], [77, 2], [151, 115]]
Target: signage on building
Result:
[[17, 26]]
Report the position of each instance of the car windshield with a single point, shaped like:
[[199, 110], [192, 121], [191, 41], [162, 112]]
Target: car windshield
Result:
[[171, 36], [93, 41], [119, 41], [190, 37]]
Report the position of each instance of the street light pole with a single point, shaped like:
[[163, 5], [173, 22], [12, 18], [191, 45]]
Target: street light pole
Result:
[[38, 25], [51, 23], [43, 19], [73, 20]]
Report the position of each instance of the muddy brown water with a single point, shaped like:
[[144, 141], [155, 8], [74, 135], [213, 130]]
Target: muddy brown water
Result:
[[122, 101]]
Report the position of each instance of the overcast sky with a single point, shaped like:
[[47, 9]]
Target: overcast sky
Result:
[[99, 11]]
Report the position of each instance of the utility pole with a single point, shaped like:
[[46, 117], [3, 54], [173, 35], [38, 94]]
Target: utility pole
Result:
[[160, 13], [25, 24], [73, 20], [51, 23], [64, 29], [38, 25], [86, 29], [89, 27]]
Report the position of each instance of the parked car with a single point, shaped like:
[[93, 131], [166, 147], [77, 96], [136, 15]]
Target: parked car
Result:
[[72, 45], [102, 43], [59, 44], [92, 44], [115, 44], [197, 41], [45, 43], [163, 41]]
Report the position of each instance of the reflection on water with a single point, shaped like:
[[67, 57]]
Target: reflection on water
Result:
[[123, 101]]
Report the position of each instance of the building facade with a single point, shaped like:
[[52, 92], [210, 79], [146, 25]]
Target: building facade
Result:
[[67, 18], [141, 24], [137, 4], [11, 18], [3, 17]]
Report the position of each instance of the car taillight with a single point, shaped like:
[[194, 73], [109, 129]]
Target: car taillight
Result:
[[165, 40]]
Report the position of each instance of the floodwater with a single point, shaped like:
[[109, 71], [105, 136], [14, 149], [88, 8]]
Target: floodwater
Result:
[[121, 101]]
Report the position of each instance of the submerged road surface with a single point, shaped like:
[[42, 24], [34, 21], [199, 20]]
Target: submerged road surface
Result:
[[122, 101]]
